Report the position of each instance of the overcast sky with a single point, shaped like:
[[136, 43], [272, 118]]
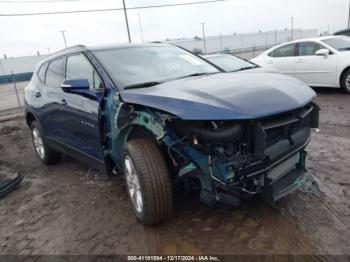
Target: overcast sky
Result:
[[28, 34]]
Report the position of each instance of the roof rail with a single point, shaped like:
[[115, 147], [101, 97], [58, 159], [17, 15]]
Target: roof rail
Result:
[[69, 48]]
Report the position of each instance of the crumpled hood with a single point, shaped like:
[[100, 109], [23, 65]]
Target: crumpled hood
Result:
[[224, 96]]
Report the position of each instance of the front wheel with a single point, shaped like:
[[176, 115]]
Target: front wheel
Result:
[[147, 181], [345, 81]]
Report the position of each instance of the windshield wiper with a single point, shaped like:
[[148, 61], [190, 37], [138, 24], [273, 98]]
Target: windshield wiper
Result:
[[196, 74], [245, 68], [142, 85]]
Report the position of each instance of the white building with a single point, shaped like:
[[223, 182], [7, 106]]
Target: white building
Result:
[[243, 43], [19, 65]]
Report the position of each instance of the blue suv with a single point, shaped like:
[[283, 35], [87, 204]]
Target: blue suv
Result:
[[159, 115]]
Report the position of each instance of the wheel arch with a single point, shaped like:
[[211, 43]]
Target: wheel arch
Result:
[[346, 69], [133, 121], [130, 132], [30, 117]]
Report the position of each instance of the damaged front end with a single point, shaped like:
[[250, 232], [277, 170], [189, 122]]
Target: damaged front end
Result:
[[232, 159]]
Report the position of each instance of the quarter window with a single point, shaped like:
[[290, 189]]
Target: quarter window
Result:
[[79, 67], [55, 73], [284, 51], [309, 48]]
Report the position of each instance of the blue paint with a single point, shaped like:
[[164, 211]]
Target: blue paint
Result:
[[224, 96]]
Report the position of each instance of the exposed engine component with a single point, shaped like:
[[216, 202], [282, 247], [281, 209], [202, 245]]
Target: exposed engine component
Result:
[[211, 131]]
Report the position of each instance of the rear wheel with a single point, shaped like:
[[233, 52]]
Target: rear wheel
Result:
[[46, 154], [147, 181], [345, 81]]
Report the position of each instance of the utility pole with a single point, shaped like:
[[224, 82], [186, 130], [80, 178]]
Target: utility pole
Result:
[[275, 37], [205, 45], [64, 38], [349, 16], [141, 30], [292, 18], [2, 68], [126, 21], [220, 43]]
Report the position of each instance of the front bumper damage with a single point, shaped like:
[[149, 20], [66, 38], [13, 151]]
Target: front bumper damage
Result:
[[269, 159], [274, 168], [272, 181]]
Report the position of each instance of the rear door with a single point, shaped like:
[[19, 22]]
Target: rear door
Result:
[[283, 59], [48, 100], [313, 69], [82, 110]]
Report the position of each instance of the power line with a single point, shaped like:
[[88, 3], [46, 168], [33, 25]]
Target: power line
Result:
[[112, 9], [35, 1]]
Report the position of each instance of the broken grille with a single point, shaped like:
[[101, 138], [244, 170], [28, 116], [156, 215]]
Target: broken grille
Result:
[[273, 135]]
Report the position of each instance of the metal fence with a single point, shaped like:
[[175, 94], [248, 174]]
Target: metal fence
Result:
[[12, 94], [247, 52]]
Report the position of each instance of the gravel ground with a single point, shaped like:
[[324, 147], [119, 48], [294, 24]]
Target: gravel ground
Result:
[[71, 209]]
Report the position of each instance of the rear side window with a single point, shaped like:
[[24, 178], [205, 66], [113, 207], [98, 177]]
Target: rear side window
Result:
[[78, 66], [284, 51], [41, 72], [55, 73], [309, 48]]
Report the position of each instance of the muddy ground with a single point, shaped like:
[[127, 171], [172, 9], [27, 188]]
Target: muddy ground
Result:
[[71, 209]]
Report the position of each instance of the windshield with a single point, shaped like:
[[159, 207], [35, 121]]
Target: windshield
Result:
[[341, 44], [135, 66], [230, 63]]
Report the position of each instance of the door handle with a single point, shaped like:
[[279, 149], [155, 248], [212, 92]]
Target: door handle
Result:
[[299, 60], [63, 102], [37, 94], [270, 62]]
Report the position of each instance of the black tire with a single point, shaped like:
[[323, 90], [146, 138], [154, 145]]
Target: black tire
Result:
[[345, 87], [154, 180], [50, 156]]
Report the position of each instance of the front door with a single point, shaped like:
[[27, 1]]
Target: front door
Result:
[[82, 110], [315, 70]]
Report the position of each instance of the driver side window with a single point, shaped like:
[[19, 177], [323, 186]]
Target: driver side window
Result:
[[78, 66], [309, 48]]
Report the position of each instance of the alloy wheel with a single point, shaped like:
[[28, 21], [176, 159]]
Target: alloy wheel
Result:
[[38, 143], [133, 184], [347, 82]]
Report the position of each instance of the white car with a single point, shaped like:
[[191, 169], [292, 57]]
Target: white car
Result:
[[231, 63], [323, 61]]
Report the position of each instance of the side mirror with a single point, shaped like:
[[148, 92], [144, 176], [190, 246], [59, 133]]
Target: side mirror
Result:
[[71, 85], [322, 52]]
